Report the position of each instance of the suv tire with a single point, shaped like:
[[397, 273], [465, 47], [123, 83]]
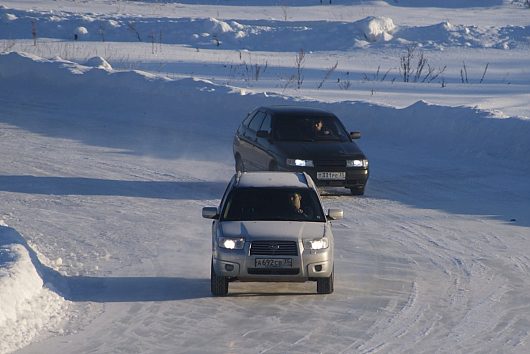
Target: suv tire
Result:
[[219, 285], [325, 285]]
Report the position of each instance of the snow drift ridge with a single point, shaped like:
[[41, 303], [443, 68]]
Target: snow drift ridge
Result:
[[27, 306], [438, 128]]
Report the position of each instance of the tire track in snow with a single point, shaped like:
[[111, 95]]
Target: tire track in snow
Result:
[[454, 289]]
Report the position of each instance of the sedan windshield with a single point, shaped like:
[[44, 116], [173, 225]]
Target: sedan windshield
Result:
[[308, 128], [289, 204]]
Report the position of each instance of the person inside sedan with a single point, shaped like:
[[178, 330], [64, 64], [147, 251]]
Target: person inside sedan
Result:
[[320, 129]]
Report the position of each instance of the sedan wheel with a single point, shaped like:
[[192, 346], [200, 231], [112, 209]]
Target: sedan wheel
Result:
[[357, 190]]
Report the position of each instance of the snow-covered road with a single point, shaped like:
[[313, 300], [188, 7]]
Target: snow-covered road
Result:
[[433, 259], [104, 170]]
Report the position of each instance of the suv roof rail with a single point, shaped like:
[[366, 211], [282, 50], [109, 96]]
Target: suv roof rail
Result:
[[308, 180], [238, 177]]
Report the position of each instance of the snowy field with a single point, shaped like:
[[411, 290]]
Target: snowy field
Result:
[[116, 125]]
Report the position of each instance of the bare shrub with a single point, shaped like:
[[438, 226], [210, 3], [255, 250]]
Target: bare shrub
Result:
[[34, 32], [463, 74], [376, 76], [299, 62], [132, 27], [414, 67], [284, 11], [288, 82], [327, 75], [345, 83], [486, 68]]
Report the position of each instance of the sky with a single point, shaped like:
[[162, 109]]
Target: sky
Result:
[[112, 143]]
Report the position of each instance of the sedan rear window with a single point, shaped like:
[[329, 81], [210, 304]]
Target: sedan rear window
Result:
[[273, 204]]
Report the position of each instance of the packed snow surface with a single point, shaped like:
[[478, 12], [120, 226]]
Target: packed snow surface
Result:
[[113, 140]]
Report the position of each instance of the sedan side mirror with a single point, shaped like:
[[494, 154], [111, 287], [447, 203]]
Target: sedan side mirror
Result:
[[210, 213], [335, 214], [355, 135]]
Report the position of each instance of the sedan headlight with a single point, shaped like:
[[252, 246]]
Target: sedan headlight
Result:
[[231, 243], [357, 163], [317, 244], [300, 163]]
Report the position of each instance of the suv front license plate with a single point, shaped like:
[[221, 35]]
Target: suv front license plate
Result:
[[274, 263], [331, 175]]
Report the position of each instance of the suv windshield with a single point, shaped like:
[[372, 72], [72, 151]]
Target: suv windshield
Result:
[[292, 204], [308, 128]]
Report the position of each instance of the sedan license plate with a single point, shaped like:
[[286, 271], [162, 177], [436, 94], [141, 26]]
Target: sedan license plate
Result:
[[274, 263], [331, 175]]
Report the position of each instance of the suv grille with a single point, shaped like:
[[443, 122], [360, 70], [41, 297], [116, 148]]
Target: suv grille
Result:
[[274, 248]]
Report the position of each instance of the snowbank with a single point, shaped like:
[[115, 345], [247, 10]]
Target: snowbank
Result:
[[27, 306], [438, 128], [479, 133], [256, 34], [377, 28], [98, 62]]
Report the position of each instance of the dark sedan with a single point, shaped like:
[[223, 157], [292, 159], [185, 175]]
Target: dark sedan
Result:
[[290, 138]]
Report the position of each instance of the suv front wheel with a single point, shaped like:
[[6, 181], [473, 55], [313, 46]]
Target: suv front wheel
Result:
[[325, 285], [219, 284]]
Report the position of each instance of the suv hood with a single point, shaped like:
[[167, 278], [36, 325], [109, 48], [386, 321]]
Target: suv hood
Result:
[[267, 230], [315, 150]]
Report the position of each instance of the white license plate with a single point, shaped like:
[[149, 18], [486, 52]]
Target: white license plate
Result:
[[273, 262], [331, 175]]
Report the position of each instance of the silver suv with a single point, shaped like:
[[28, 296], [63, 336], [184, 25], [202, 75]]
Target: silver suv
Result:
[[270, 227]]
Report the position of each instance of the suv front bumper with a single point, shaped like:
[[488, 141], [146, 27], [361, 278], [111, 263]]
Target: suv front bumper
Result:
[[240, 265]]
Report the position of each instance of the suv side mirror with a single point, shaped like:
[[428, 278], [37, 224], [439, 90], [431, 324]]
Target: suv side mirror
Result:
[[355, 135], [210, 213], [263, 134], [335, 214]]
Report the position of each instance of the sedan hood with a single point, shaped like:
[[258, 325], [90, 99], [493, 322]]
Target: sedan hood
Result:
[[267, 230], [315, 150]]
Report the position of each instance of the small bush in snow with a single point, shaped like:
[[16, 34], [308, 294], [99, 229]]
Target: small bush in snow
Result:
[[414, 67], [299, 62], [328, 74]]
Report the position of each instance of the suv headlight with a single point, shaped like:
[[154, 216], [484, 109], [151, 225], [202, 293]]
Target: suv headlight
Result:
[[300, 163], [231, 243], [357, 163], [317, 244]]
